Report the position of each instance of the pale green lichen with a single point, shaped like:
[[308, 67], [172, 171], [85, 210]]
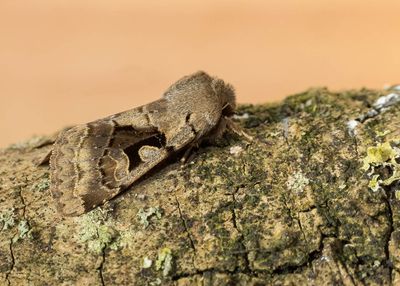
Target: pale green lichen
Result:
[[23, 231], [383, 133], [7, 219], [104, 237], [98, 231], [297, 182], [374, 183], [145, 215], [124, 239], [95, 232], [164, 261], [43, 185]]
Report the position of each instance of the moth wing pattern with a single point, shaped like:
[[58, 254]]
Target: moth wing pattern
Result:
[[93, 162], [89, 164]]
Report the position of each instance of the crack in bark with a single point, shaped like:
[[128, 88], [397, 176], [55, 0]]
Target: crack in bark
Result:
[[281, 270], [12, 239], [12, 263], [378, 107], [204, 271], [213, 270], [343, 279], [311, 257], [389, 193], [247, 268], [185, 224], [348, 273], [302, 231], [103, 260], [337, 254], [23, 208], [100, 269]]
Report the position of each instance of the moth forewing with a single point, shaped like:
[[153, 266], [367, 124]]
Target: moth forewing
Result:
[[91, 163]]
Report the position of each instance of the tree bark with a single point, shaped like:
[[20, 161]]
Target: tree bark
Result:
[[312, 200]]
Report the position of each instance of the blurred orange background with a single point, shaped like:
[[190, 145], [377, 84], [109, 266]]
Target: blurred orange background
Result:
[[69, 62]]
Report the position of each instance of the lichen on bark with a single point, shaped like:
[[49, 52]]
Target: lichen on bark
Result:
[[294, 206]]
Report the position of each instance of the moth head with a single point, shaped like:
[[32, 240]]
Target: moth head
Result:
[[226, 96]]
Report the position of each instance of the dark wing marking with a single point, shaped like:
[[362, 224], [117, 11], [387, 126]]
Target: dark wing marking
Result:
[[92, 163], [72, 164]]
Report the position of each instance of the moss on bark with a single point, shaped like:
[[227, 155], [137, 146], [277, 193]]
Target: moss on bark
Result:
[[296, 206]]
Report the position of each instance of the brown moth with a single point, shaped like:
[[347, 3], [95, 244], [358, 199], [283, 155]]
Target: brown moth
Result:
[[93, 162]]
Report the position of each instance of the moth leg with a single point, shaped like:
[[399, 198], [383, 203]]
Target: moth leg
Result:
[[234, 127], [219, 130], [189, 152]]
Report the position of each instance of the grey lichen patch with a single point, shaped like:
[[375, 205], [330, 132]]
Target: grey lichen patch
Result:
[[386, 101], [381, 105], [7, 219], [123, 239], [43, 185], [379, 160], [145, 215], [24, 231], [297, 182], [96, 232], [236, 150], [164, 261], [146, 262]]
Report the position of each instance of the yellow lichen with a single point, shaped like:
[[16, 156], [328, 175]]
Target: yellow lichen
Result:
[[379, 154], [382, 155], [383, 133], [164, 260], [374, 183]]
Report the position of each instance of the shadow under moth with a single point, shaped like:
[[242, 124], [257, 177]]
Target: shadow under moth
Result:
[[91, 163]]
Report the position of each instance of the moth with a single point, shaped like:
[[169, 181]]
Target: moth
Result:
[[91, 163]]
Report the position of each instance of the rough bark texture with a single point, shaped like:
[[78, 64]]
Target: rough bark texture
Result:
[[301, 204]]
